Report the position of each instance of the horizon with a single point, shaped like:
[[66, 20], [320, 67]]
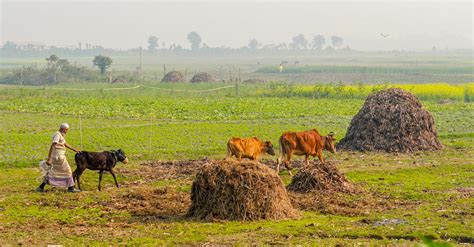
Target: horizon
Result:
[[233, 24]]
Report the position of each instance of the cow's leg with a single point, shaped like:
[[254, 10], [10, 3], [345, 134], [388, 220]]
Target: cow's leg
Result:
[[229, 154], [279, 160], [320, 157], [256, 158], [100, 177], [287, 163], [115, 178], [76, 176], [239, 156], [306, 160]]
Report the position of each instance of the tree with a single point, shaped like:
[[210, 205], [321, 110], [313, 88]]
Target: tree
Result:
[[51, 68], [318, 42], [52, 59], [336, 41], [195, 40], [253, 44], [299, 42], [102, 62], [152, 43]]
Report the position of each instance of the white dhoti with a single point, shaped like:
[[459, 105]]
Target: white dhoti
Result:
[[60, 174]]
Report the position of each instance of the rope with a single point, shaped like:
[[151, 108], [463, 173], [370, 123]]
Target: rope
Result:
[[190, 90], [120, 88]]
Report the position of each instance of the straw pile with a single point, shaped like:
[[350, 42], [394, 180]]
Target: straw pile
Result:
[[173, 76], [202, 77], [320, 177], [392, 121], [230, 190]]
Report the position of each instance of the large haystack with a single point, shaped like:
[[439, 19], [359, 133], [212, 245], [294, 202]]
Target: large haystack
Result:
[[230, 190], [393, 121], [320, 177], [202, 77], [173, 76]]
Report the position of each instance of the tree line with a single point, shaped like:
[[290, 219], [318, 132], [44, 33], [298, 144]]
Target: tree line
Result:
[[61, 70], [197, 45]]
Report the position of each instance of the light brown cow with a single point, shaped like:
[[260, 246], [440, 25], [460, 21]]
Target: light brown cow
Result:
[[251, 148], [304, 143]]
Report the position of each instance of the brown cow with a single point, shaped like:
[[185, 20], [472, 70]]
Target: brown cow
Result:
[[304, 143], [251, 148]]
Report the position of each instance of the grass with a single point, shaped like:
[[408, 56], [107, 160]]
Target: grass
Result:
[[198, 126], [437, 209], [432, 191]]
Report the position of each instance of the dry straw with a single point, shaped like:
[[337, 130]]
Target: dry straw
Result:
[[391, 120], [228, 190]]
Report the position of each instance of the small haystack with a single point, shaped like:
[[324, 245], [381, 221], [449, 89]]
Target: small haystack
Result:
[[202, 77], [255, 80], [392, 121], [173, 76], [320, 177], [230, 190]]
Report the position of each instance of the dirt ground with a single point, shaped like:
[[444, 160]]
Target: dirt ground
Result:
[[161, 203]]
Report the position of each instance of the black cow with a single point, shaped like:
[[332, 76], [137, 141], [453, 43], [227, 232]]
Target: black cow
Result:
[[101, 161]]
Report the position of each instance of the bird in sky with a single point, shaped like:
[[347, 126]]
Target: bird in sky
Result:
[[384, 35]]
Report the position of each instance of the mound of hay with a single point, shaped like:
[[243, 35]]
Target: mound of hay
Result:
[[229, 190], [392, 121], [255, 80], [173, 76], [320, 177], [202, 77]]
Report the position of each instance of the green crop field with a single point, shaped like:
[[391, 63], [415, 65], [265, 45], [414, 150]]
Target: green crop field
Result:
[[408, 198]]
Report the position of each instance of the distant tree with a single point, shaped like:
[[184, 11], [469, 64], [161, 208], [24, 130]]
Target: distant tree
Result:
[[299, 42], [336, 41], [9, 46], [51, 68], [318, 42], [152, 43], [195, 40], [253, 44], [61, 63], [103, 62], [52, 59]]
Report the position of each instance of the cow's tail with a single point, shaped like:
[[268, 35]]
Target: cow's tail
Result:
[[282, 150], [229, 151]]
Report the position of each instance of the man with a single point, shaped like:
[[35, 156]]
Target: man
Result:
[[59, 174]]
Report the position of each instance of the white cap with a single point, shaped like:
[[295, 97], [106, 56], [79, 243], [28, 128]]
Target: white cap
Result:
[[64, 126]]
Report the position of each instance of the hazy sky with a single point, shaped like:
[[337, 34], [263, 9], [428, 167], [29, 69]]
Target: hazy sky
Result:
[[125, 24]]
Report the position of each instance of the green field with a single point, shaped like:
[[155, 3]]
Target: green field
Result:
[[428, 193], [350, 67]]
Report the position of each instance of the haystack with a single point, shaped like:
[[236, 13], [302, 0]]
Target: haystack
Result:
[[230, 190], [391, 120], [202, 77], [320, 177], [173, 76], [255, 80]]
